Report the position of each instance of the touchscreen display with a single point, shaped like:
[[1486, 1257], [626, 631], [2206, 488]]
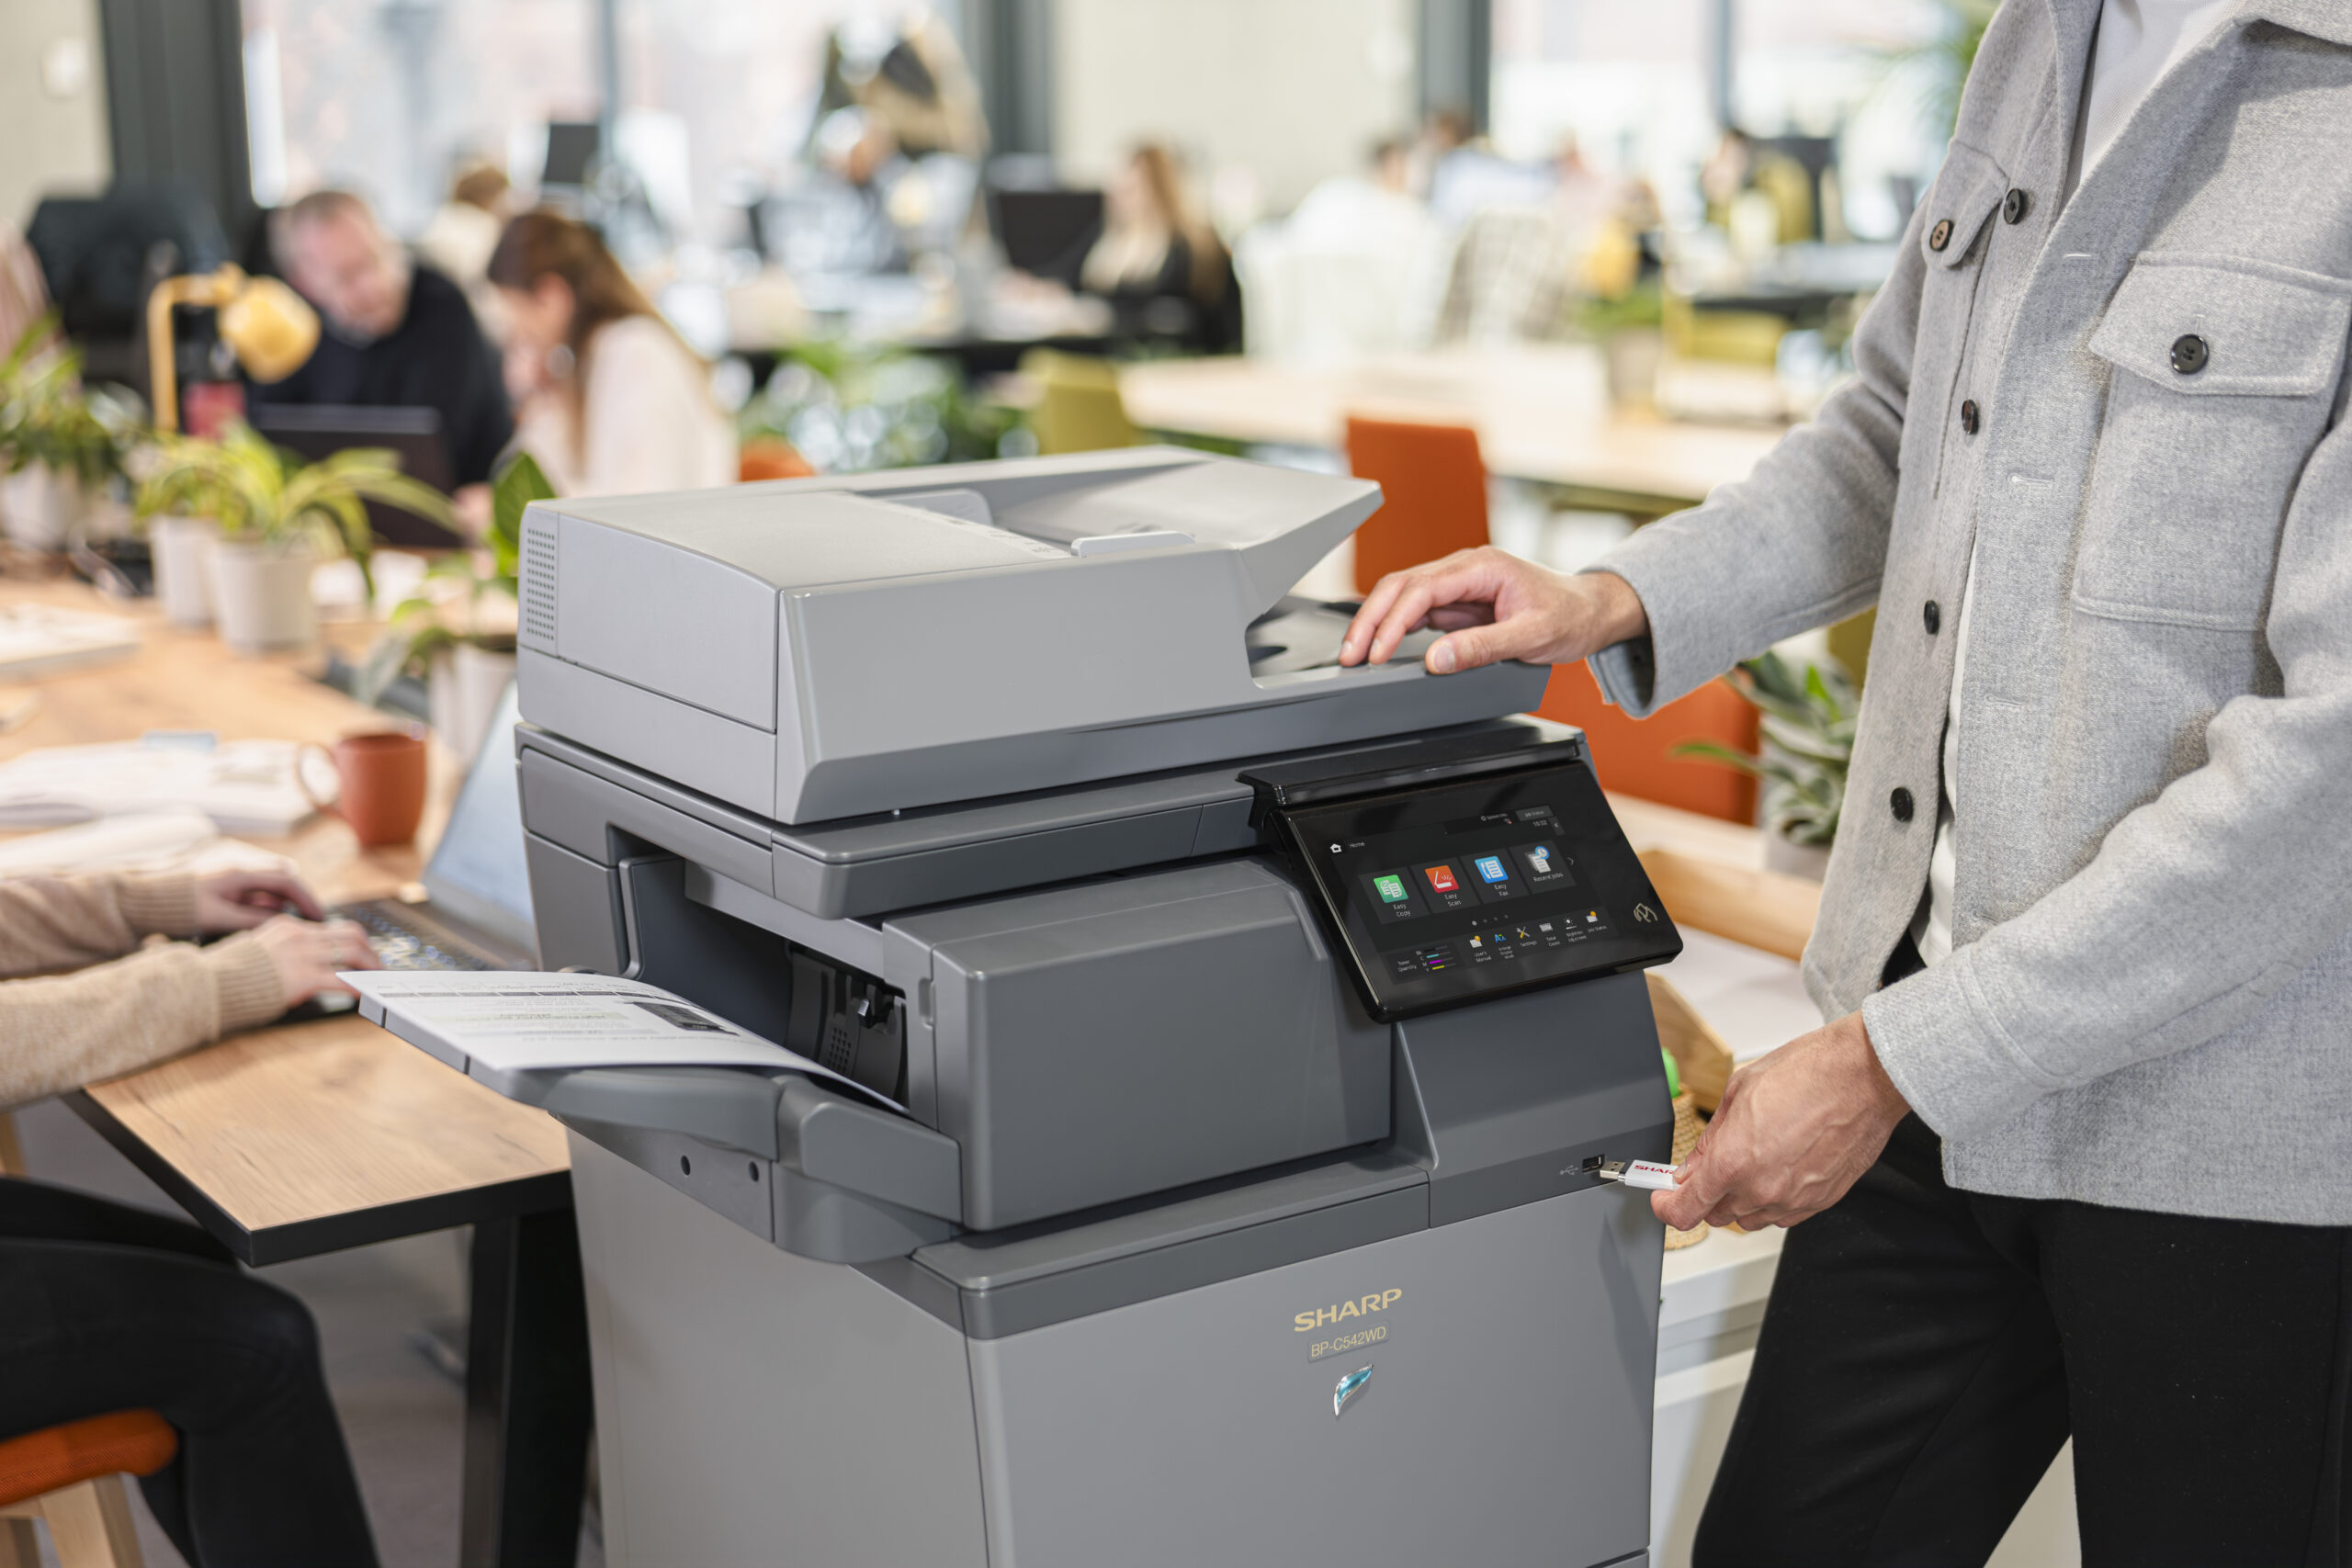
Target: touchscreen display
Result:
[[1459, 892]]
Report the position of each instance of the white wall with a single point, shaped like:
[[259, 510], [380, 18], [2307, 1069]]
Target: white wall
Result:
[[1291, 90], [52, 103]]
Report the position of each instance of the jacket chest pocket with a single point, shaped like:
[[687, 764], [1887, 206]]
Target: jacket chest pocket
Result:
[[2222, 374]]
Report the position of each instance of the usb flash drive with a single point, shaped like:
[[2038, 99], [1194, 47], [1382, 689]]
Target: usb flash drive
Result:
[[1645, 1174]]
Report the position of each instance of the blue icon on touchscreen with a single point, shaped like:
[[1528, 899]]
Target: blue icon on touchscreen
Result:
[[1491, 868]]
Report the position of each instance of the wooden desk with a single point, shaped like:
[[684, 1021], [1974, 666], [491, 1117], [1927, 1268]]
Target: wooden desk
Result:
[[1542, 413], [305, 1138]]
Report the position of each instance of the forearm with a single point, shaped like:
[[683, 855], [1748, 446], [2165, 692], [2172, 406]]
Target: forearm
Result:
[[1800, 543], [60, 1032], [60, 923]]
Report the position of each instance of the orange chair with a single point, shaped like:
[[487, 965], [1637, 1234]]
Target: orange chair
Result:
[[71, 1476], [1434, 489], [771, 457], [1635, 756]]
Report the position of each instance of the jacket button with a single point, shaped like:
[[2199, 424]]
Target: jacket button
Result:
[[1899, 804], [1933, 614], [2014, 205], [2190, 353], [1968, 420], [1941, 235]]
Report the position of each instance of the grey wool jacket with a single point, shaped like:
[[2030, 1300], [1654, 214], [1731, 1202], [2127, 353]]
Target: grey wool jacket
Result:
[[2149, 1005]]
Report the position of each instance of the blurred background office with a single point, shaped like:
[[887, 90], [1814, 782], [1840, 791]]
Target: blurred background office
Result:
[[1308, 180], [1545, 269]]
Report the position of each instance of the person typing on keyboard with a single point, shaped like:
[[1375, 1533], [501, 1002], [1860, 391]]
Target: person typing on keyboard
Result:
[[136, 1004], [105, 1307]]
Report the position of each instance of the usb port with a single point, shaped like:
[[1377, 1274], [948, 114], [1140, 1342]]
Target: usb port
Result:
[[1591, 1163]]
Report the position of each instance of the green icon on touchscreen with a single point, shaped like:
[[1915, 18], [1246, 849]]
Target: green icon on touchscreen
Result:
[[1391, 888]]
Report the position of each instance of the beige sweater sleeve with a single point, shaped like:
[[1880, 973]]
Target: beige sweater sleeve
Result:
[[63, 922], [60, 1033]]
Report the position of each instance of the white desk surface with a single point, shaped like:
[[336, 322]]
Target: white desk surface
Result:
[[1541, 411]]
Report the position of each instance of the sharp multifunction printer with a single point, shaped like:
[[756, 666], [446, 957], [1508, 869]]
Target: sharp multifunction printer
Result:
[[1243, 1036]]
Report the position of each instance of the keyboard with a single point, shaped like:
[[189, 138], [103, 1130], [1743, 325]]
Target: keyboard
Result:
[[404, 942]]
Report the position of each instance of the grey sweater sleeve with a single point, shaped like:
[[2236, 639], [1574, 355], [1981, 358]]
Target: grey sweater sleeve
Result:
[[2197, 906], [1799, 544]]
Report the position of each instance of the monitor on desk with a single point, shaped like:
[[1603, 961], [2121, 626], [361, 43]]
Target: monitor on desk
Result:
[[313, 431], [1047, 233], [478, 871]]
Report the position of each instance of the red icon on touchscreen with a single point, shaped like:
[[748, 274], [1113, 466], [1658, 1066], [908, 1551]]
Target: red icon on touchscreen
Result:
[[1440, 877]]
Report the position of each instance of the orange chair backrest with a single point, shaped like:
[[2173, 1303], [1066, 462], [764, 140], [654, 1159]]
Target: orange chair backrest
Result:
[[137, 1441], [1635, 756], [1434, 493]]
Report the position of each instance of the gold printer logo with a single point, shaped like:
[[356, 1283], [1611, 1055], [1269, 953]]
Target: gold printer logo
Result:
[[1362, 1306]]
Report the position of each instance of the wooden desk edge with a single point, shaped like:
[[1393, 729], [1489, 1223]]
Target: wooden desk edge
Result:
[[328, 1233]]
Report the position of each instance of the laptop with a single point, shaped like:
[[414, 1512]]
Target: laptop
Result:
[[313, 431], [475, 912]]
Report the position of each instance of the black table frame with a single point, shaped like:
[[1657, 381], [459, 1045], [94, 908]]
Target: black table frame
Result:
[[529, 1406]]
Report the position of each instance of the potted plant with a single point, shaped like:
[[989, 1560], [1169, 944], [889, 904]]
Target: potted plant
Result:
[[59, 445], [1625, 313], [1807, 732], [278, 517], [181, 515], [457, 634]]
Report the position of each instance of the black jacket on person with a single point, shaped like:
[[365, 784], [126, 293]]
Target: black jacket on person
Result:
[[1166, 309], [435, 358]]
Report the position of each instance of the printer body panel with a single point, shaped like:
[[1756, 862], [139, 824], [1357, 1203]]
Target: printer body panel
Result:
[[1493, 1366], [1105, 1039], [821, 648], [757, 1406]]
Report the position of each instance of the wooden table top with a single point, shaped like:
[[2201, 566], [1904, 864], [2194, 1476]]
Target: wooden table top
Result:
[[1542, 413], [306, 1137]]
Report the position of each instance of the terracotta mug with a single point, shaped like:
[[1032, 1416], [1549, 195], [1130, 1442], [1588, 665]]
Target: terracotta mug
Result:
[[382, 779]]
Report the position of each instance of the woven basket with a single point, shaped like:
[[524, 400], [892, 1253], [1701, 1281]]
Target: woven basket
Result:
[[1686, 1138]]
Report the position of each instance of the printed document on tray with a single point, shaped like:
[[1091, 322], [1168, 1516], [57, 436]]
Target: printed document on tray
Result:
[[522, 1022]]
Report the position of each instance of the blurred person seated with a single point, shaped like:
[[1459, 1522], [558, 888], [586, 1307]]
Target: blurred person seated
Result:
[[1163, 271], [1356, 269], [614, 403], [458, 238], [105, 1307], [1758, 195], [396, 334]]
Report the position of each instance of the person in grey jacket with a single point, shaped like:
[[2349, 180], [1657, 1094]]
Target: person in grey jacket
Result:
[[2075, 1147]]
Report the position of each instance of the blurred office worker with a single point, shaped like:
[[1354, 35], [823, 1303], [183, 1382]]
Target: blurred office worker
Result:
[[1163, 269], [613, 400], [398, 332], [106, 1308], [2074, 1155]]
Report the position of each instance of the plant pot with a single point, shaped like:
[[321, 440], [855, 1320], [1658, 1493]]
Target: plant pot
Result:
[[462, 694], [39, 506], [261, 593], [1808, 861], [1633, 355], [182, 550]]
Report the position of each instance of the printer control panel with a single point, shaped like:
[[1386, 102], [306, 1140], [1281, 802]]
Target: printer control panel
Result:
[[1454, 893]]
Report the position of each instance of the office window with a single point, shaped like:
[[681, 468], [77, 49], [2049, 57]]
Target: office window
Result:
[[389, 96], [1635, 86]]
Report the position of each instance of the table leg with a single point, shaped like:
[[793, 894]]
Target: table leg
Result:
[[527, 1401]]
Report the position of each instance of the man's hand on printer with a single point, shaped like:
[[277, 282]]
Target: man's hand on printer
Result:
[[1795, 1131], [1493, 606]]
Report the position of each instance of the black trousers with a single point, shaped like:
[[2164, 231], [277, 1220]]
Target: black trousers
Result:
[[1926, 1352], [105, 1308]]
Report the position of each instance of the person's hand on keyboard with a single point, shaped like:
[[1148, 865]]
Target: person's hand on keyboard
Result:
[[307, 955], [240, 900]]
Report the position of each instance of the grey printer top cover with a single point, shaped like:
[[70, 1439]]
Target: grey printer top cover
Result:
[[819, 649]]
